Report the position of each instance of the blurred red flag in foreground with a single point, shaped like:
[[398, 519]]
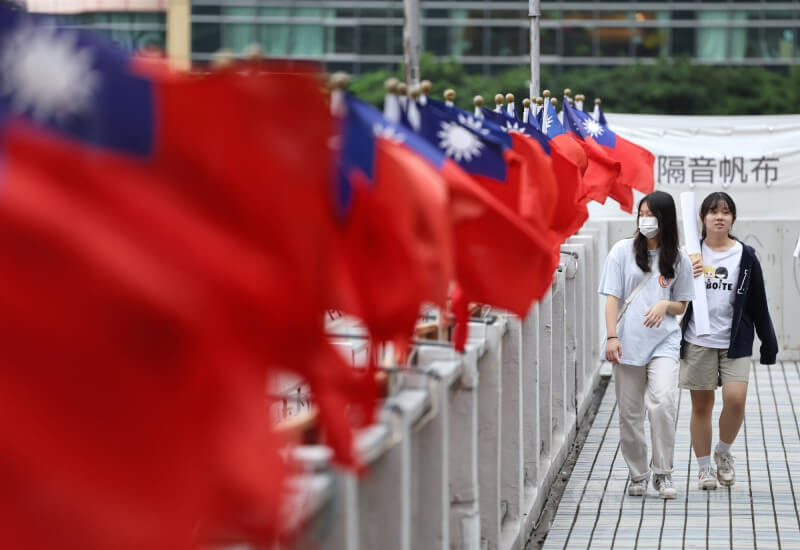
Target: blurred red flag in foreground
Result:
[[163, 244]]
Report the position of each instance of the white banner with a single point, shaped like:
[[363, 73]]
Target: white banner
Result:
[[754, 158]]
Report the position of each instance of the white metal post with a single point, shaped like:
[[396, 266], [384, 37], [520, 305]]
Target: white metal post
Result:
[[411, 44], [534, 13]]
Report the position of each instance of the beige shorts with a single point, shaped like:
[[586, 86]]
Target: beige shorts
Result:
[[705, 368]]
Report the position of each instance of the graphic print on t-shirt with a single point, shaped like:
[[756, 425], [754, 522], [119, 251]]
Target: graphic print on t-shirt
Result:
[[717, 278]]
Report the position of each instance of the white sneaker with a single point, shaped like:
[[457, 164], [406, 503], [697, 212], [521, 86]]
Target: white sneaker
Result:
[[707, 479], [663, 484], [638, 488], [725, 471]]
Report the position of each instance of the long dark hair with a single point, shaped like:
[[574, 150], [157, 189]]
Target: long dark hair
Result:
[[662, 205], [711, 202]]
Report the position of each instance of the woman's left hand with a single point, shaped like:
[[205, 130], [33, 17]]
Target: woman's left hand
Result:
[[655, 314]]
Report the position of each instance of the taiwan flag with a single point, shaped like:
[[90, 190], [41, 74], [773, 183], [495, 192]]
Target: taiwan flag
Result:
[[547, 121], [163, 244], [637, 162], [395, 248], [490, 242], [539, 195], [567, 213], [602, 162], [486, 153]]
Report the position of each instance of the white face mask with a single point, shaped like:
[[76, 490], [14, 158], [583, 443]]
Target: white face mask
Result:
[[648, 227]]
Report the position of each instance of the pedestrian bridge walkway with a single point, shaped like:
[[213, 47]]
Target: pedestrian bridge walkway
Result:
[[759, 511], [467, 447]]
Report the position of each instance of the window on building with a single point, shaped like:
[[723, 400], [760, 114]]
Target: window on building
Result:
[[507, 41], [341, 40], [547, 39], [240, 30], [374, 39], [721, 43], [206, 37], [274, 37], [577, 42]]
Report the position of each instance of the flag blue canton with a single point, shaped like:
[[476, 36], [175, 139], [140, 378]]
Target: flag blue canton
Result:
[[362, 125], [512, 124], [476, 144], [585, 126], [74, 84], [554, 127]]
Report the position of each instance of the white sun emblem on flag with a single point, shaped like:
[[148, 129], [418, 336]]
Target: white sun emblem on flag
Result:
[[46, 74], [473, 123], [512, 126], [388, 132], [458, 143], [547, 120], [592, 127]]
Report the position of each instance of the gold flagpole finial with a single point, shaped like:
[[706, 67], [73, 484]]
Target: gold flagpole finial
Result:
[[254, 52], [222, 59], [546, 94], [478, 100], [526, 103], [425, 87], [449, 94], [509, 98], [391, 85], [339, 80]]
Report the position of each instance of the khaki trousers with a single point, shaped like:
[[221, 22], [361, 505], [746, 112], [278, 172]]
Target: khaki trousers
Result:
[[652, 389]]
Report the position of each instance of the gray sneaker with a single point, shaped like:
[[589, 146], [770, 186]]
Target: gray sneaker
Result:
[[725, 471], [707, 479], [663, 484], [638, 488]]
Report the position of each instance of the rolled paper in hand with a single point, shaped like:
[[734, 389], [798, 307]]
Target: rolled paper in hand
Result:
[[692, 238]]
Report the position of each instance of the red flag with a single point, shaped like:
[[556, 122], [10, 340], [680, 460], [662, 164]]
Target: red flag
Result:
[[636, 162], [493, 244], [146, 296], [571, 203], [395, 243], [133, 408]]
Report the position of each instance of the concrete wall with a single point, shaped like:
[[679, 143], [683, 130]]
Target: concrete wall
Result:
[[468, 444]]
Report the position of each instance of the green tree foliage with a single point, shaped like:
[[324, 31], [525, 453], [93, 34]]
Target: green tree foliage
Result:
[[674, 86]]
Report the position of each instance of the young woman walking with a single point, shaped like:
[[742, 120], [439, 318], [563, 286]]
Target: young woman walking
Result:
[[737, 303], [647, 280]]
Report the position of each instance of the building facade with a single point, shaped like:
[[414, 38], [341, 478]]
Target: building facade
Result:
[[358, 36]]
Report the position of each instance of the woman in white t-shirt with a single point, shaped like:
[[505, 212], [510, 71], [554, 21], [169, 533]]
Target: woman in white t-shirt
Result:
[[654, 278], [737, 304]]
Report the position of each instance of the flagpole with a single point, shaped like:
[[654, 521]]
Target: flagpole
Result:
[[498, 103], [596, 111], [411, 42], [478, 102], [534, 13]]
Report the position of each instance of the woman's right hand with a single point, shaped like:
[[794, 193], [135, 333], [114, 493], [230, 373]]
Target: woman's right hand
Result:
[[697, 265], [613, 350]]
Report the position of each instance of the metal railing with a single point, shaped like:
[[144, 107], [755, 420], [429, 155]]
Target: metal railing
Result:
[[467, 445]]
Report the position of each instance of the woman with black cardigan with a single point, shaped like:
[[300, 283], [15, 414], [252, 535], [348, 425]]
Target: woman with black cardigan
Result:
[[737, 303]]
